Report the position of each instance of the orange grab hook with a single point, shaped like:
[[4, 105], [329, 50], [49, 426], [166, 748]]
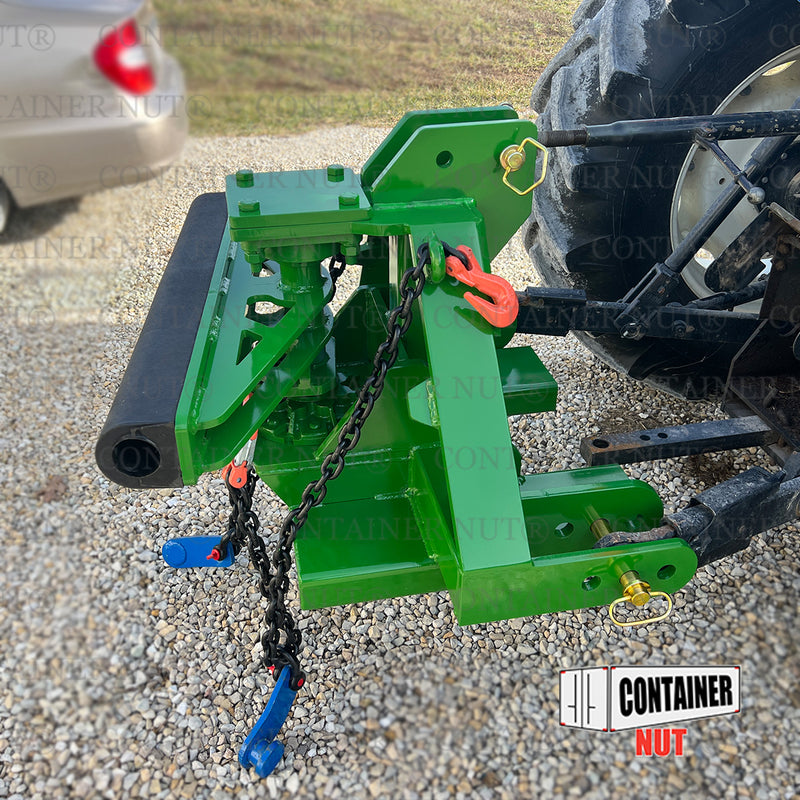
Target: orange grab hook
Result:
[[503, 309], [236, 474]]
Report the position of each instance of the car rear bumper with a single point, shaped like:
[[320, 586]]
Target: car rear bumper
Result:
[[95, 142]]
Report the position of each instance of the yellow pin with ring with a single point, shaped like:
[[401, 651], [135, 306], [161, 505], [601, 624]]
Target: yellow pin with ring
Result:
[[514, 157], [634, 590], [638, 593]]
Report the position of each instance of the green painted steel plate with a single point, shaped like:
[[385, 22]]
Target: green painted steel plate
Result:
[[298, 197]]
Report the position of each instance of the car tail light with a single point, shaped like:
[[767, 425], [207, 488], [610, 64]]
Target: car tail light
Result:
[[122, 59]]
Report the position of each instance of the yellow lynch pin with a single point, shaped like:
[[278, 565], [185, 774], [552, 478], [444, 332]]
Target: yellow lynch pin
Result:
[[634, 589], [638, 593], [513, 158]]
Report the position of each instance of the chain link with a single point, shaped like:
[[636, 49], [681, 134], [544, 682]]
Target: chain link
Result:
[[336, 268], [282, 639]]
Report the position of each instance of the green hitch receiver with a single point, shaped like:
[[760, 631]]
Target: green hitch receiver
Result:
[[431, 497]]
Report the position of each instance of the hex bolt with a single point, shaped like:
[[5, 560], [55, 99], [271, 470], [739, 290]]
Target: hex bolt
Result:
[[255, 257], [335, 173], [348, 200]]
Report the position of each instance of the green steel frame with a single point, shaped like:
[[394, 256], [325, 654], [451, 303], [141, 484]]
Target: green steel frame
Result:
[[432, 496]]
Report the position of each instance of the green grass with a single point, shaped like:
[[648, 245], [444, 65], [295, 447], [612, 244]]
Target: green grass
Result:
[[284, 66]]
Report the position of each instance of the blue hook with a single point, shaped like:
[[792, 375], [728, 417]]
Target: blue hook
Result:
[[260, 750], [196, 551]]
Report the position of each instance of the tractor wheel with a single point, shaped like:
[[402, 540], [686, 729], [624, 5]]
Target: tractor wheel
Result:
[[604, 216]]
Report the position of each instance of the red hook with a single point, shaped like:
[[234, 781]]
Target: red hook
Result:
[[503, 309]]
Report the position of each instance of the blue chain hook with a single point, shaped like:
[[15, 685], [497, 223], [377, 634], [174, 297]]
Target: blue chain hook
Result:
[[260, 750]]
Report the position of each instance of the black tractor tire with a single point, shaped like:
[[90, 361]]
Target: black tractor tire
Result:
[[601, 218]]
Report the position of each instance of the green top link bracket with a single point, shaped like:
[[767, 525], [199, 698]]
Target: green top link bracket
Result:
[[432, 496], [434, 168]]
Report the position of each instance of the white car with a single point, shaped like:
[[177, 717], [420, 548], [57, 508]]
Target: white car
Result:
[[88, 99]]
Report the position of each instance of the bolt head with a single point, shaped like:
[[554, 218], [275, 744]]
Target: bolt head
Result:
[[756, 196], [633, 330], [244, 178], [335, 173], [349, 200], [246, 207]]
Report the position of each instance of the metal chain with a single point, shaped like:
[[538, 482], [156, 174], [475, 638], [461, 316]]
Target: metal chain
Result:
[[282, 639], [336, 268], [243, 525]]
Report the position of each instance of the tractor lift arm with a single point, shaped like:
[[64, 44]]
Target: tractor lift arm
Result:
[[722, 520]]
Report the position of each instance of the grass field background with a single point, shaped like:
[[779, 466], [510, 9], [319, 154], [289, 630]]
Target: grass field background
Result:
[[280, 67]]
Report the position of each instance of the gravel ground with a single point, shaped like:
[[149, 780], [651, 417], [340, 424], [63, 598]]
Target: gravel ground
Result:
[[124, 678]]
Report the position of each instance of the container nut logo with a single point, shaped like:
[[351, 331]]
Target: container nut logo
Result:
[[620, 698]]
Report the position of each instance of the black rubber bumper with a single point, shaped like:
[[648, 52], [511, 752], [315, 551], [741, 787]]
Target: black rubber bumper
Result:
[[137, 446]]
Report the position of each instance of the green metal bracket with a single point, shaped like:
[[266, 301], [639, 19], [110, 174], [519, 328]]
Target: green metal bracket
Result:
[[432, 495]]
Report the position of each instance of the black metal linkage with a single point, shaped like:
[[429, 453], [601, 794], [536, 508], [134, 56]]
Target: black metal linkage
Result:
[[738, 175], [677, 440], [722, 520], [774, 398], [740, 262], [556, 312], [751, 125], [779, 451], [656, 287]]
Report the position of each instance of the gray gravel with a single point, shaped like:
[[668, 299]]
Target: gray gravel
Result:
[[124, 678]]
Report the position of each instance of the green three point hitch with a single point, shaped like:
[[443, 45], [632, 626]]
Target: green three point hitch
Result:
[[242, 363]]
